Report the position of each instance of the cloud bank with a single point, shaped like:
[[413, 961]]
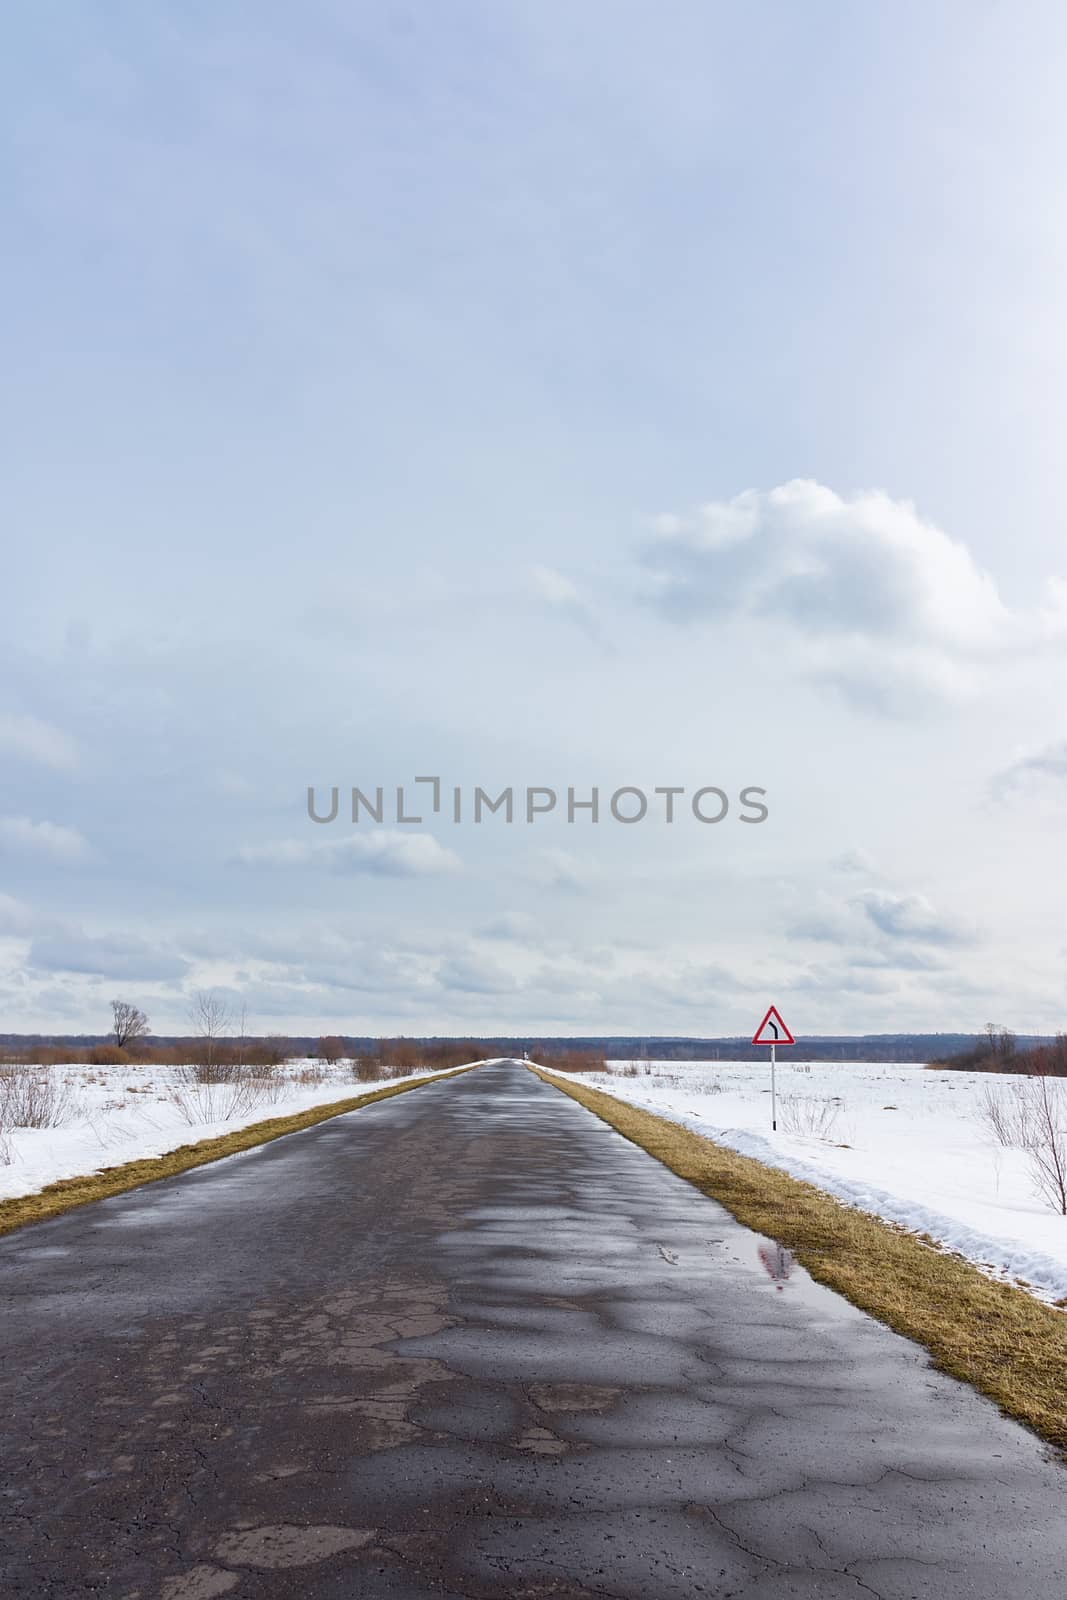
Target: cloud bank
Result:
[[887, 606]]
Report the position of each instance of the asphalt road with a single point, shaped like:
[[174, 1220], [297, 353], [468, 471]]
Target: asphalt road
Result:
[[469, 1342]]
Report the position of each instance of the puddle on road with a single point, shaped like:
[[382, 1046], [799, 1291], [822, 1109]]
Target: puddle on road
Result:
[[780, 1270]]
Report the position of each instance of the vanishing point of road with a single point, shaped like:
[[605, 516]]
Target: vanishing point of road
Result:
[[469, 1342]]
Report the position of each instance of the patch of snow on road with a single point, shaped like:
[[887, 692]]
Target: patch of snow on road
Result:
[[905, 1143]]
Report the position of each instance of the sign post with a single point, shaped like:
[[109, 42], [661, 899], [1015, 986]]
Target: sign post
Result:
[[773, 1031]]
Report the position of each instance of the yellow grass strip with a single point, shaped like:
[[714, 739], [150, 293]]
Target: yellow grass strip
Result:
[[67, 1193], [1010, 1346]]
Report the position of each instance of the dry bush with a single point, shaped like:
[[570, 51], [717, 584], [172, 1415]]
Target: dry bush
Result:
[[401, 1057], [108, 1055], [32, 1097], [1047, 1143], [1031, 1115], [807, 1114], [330, 1049], [1002, 1113], [573, 1061], [50, 1055], [237, 1093], [207, 1068], [366, 1069], [310, 1077], [1048, 1059]]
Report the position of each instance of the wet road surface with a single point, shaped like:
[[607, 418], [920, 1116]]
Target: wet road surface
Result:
[[470, 1342]]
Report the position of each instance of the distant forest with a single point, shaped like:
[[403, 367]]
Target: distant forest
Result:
[[968, 1050]]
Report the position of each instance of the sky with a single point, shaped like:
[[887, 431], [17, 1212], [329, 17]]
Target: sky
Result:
[[534, 396]]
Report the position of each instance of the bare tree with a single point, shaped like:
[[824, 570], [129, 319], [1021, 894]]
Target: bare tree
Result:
[[128, 1023], [1047, 1142], [1001, 1042], [242, 1031], [212, 1019]]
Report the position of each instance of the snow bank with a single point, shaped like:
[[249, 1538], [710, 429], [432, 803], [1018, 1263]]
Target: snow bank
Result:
[[129, 1113], [905, 1144]]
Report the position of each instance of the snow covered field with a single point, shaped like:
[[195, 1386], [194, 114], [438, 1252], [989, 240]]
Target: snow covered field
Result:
[[905, 1143], [108, 1115]]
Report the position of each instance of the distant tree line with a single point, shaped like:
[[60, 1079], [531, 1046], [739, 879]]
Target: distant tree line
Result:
[[997, 1049]]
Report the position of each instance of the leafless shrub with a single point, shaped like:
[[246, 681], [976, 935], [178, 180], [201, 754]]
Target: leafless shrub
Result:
[[311, 1077], [1047, 1144], [1031, 1116], [1003, 1114], [32, 1097], [366, 1069], [108, 1055], [807, 1114], [572, 1060], [212, 1019], [222, 1099]]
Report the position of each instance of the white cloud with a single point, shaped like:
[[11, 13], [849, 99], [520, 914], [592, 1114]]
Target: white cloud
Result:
[[387, 854], [106, 955], [855, 861], [475, 974], [908, 916], [27, 738], [22, 836], [519, 926], [1030, 768], [15, 917], [559, 594], [877, 927], [888, 607], [555, 589], [558, 869]]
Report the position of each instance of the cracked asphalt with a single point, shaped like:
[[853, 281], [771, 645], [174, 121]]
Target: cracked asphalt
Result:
[[470, 1342]]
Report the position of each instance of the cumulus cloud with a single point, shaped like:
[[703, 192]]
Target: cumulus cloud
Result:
[[22, 836], [907, 917], [29, 739], [877, 926], [888, 606], [387, 854]]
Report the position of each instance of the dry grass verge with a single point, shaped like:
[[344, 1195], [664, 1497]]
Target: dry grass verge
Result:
[[67, 1193], [999, 1339]]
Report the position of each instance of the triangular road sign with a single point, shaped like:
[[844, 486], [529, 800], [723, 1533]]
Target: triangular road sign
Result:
[[772, 1030]]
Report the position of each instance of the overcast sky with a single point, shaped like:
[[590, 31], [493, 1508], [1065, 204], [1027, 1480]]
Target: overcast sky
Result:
[[535, 394]]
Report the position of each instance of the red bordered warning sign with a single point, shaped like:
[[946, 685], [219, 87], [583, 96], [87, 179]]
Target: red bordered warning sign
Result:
[[772, 1030]]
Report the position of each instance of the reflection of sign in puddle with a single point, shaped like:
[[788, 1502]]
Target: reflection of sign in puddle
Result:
[[778, 1263], [782, 1267]]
